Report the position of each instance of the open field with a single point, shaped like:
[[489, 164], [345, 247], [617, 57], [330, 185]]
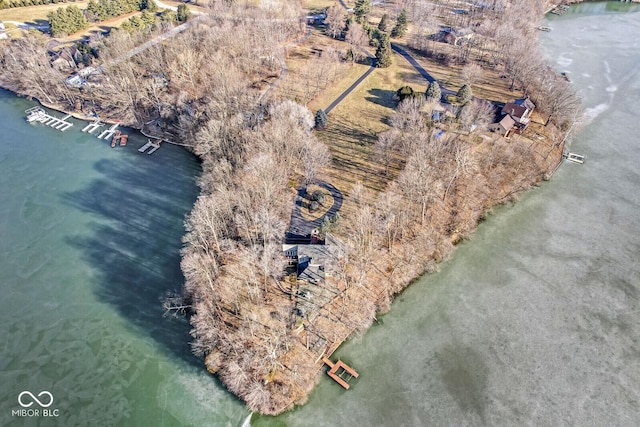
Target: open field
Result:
[[36, 14], [355, 123]]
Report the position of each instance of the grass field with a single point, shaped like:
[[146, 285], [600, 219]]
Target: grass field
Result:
[[36, 14], [355, 123]]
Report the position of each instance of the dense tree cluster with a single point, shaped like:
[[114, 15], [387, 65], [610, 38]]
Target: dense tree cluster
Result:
[[400, 29], [8, 4], [143, 22], [101, 10], [66, 20]]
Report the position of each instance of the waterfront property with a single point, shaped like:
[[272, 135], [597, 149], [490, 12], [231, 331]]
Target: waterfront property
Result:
[[514, 116]]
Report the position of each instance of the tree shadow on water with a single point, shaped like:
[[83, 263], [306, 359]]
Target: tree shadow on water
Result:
[[139, 206]]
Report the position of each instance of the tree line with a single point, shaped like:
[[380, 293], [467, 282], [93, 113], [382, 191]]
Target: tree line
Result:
[[71, 19], [8, 4]]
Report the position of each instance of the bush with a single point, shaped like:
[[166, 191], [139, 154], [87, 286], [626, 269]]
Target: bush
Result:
[[313, 206], [322, 120], [318, 196], [183, 13], [405, 92]]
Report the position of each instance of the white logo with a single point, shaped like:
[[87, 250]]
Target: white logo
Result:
[[45, 404]]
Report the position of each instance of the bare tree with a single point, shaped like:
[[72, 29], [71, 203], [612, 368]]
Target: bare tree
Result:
[[358, 40], [386, 145], [471, 73], [335, 21], [316, 156]]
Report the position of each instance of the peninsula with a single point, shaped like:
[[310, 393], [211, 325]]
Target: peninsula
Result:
[[346, 149]]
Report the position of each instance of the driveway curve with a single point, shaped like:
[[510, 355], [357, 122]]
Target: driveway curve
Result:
[[300, 228]]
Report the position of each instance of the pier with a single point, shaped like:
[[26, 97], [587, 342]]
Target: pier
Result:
[[154, 145], [337, 371], [575, 158], [106, 134], [91, 127], [37, 114]]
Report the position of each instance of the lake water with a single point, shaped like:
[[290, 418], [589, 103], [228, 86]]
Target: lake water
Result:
[[536, 321], [90, 242]]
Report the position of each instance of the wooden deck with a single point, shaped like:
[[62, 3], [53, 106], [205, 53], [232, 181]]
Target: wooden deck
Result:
[[338, 369]]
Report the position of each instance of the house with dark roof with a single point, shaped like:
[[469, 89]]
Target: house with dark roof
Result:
[[314, 263], [520, 110], [514, 116], [456, 36]]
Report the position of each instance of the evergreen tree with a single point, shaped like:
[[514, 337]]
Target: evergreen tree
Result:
[[168, 15], [361, 10], [464, 94], [433, 92], [401, 25], [67, 20], [405, 92], [384, 23], [383, 53], [149, 5], [183, 13], [321, 119]]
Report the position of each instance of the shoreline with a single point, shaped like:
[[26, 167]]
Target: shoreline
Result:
[[407, 277]]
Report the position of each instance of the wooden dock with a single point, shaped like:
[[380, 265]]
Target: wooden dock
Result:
[[338, 370], [154, 145], [106, 134], [37, 114]]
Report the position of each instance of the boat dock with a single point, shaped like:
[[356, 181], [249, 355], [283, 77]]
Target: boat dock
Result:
[[37, 114], [154, 145], [106, 134], [91, 127], [337, 371], [575, 158]]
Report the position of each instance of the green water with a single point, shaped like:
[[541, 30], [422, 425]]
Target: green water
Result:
[[90, 242]]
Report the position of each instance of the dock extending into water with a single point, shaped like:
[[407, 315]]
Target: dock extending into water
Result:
[[575, 158], [91, 127], [106, 134], [154, 145], [37, 114], [339, 370]]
